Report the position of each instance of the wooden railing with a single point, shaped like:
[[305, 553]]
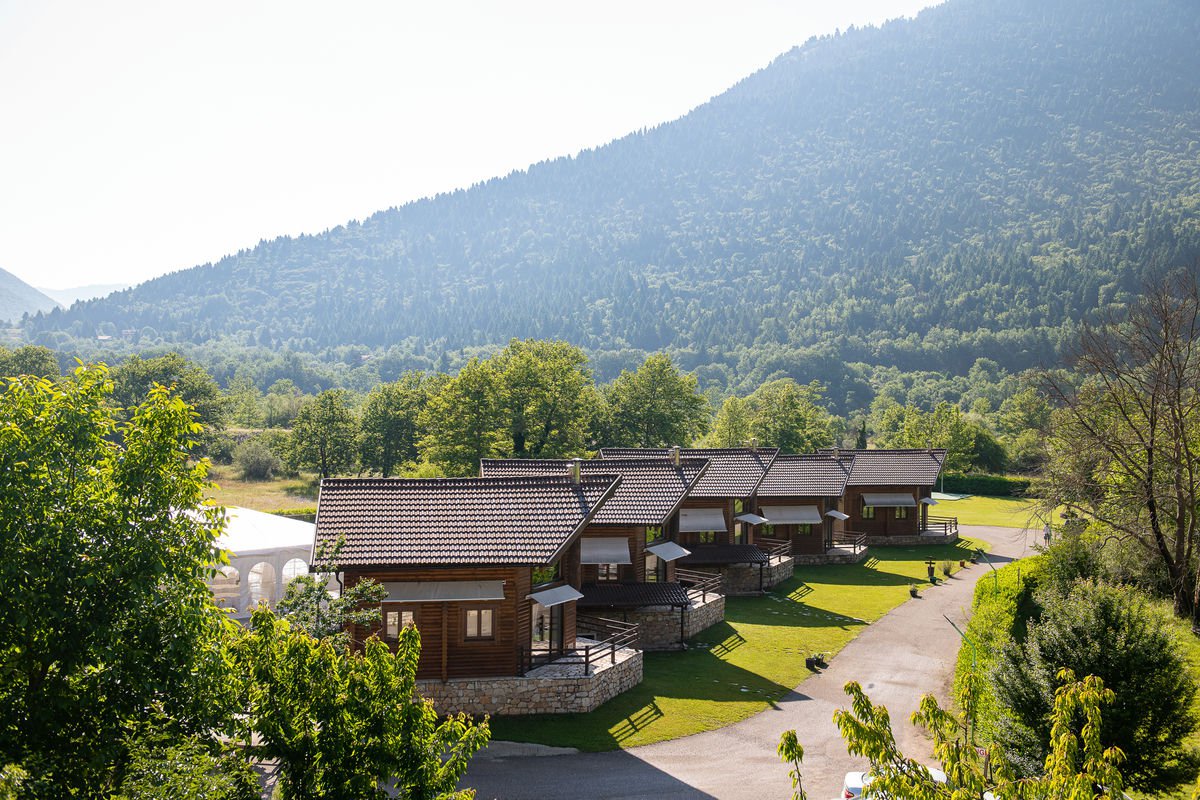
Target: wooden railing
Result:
[[852, 539], [704, 582], [607, 635], [947, 525], [774, 548]]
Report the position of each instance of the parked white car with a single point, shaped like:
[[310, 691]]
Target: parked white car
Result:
[[852, 786]]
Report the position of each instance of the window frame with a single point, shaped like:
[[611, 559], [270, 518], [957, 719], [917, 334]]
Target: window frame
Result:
[[868, 512], [476, 634]]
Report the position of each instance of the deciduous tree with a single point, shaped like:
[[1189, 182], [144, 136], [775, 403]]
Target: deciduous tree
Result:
[[786, 415], [547, 397], [656, 406], [324, 434], [390, 430], [463, 421]]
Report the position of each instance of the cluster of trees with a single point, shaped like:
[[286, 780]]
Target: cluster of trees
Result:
[[121, 676]]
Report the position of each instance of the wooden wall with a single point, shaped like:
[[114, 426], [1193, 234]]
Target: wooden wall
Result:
[[689, 539], [885, 522]]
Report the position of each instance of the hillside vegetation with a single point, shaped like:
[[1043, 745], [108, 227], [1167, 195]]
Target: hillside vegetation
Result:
[[967, 184]]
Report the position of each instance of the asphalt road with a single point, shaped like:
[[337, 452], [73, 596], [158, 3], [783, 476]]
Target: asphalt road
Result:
[[909, 652]]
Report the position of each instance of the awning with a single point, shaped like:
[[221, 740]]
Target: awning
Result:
[[929, 501], [443, 591], [793, 515], [668, 551], [751, 519], [889, 500], [556, 596], [614, 550], [837, 514], [698, 520]]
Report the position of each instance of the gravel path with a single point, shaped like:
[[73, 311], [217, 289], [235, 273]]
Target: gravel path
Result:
[[897, 659]]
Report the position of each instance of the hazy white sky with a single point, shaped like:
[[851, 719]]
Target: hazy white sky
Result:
[[138, 138]]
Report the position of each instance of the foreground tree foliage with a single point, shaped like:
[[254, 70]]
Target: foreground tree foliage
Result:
[[1113, 633], [1078, 766], [343, 725], [1125, 440], [106, 616], [309, 605]]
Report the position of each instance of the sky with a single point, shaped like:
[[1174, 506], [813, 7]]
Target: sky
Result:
[[140, 138]]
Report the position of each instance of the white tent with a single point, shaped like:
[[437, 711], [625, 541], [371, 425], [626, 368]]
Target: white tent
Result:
[[265, 552]]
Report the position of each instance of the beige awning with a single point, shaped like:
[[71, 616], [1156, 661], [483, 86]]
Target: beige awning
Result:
[[668, 551], [610, 550], [792, 515], [443, 591], [556, 596], [698, 520], [889, 500]]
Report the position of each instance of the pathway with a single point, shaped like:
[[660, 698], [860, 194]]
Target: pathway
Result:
[[903, 655]]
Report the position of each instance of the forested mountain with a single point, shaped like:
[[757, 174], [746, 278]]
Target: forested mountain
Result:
[[967, 184], [18, 298]]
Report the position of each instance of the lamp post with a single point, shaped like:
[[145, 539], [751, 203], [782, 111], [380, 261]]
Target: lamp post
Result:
[[971, 705], [995, 575]]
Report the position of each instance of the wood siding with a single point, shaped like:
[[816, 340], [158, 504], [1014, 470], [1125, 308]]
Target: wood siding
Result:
[[885, 522]]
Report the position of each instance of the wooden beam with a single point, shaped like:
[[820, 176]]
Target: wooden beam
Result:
[[445, 642]]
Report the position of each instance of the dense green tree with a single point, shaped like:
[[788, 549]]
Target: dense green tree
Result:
[[245, 403], [107, 614], [968, 445], [29, 360], [186, 768], [731, 428], [656, 406], [256, 461], [343, 725], [789, 416], [390, 428], [324, 434], [308, 604], [281, 403], [1113, 633], [547, 398], [133, 379], [463, 421]]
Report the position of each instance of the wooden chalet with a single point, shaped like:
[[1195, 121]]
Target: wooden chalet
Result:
[[889, 492], [485, 568], [629, 550], [801, 499], [717, 522]]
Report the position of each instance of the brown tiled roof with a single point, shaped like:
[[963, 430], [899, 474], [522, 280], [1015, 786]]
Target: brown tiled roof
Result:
[[406, 522], [633, 595], [723, 554], [649, 493], [916, 467], [733, 472], [806, 476]]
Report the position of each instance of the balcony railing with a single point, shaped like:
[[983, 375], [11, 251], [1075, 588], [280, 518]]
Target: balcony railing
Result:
[[774, 548], [607, 637], [704, 582], [947, 526], [850, 539]]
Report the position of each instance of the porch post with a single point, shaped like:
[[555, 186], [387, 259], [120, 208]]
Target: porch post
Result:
[[445, 642]]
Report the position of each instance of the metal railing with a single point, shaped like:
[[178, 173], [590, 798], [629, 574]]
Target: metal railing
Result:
[[774, 548], [853, 539], [607, 635], [947, 525], [697, 581]]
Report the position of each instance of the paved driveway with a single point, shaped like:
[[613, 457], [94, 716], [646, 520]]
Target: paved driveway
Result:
[[907, 653]]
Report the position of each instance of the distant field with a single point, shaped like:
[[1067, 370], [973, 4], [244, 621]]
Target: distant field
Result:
[[1004, 512], [262, 495]]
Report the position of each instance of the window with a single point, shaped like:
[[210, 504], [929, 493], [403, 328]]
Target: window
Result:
[[653, 534], [395, 621], [901, 513], [547, 574], [479, 623], [708, 537], [804, 530], [868, 512], [739, 533], [652, 562], [607, 572]]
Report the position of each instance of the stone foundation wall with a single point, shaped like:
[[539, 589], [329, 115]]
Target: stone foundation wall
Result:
[[552, 689], [659, 627], [834, 558], [910, 541], [742, 579], [778, 571]]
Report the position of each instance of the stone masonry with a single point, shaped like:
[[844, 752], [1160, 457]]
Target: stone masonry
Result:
[[740, 580], [834, 556], [553, 689], [658, 626], [911, 541]]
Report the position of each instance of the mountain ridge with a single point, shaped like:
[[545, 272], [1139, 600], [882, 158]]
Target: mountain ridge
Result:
[[18, 298]]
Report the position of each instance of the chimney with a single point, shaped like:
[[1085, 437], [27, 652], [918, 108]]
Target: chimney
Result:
[[929, 446], [754, 443], [576, 470], [675, 455], [834, 453]]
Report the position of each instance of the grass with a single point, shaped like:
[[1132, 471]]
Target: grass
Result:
[[269, 495], [745, 664], [1003, 512]]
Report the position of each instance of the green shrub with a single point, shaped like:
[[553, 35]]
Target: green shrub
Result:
[[990, 485], [256, 461], [187, 770]]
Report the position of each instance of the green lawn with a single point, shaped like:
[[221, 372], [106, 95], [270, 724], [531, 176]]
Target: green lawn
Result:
[[1005, 512], [269, 495], [742, 666]]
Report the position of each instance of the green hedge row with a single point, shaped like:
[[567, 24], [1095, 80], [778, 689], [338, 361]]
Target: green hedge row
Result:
[[304, 513], [990, 485]]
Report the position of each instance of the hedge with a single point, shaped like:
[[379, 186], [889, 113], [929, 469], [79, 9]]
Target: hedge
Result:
[[990, 485]]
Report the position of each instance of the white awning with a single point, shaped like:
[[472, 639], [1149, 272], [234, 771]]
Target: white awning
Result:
[[555, 596], [697, 520], [751, 519], [889, 500], [833, 512], [793, 515], [929, 501], [613, 550], [668, 551], [443, 591]]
